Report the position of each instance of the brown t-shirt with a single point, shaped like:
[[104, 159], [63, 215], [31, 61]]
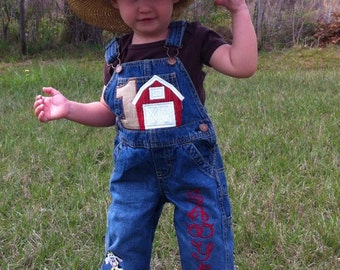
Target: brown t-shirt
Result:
[[199, 44]]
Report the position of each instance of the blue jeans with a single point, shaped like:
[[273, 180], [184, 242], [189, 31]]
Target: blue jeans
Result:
[[189, 174], [178, 163]]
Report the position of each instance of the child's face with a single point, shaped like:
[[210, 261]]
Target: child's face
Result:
[[146, 17]]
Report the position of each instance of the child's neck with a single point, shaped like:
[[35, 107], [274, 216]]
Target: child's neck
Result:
[[143, 39]]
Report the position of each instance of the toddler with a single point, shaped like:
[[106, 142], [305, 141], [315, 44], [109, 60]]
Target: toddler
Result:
[[165, 147]]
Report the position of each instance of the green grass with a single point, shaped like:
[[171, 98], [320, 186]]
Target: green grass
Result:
[[279, 134]]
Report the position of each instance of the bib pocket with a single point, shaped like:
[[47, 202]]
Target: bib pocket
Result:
[[149, 102]]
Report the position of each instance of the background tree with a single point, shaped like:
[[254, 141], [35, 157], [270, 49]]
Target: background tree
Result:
[[258, 21], [39, 25], [77, 31], [22, 27], [5, 12]]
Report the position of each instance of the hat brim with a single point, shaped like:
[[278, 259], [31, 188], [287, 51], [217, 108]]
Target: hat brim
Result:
[[101, 14]]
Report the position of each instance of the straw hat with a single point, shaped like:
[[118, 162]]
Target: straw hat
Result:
[[102, 14]]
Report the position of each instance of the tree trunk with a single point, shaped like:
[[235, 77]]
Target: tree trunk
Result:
[[259, 21], [5, 20], [22, 27], [279, 13]]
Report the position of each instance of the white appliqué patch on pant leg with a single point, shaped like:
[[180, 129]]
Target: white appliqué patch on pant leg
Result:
[[113, 260]]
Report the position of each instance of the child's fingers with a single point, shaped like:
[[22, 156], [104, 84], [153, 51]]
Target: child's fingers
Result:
[[42, 117], [39, 100], [40, 113], [38, 108]]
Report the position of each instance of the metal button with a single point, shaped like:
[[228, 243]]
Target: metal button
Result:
[[118, 69], [172, 61], [204, 127]]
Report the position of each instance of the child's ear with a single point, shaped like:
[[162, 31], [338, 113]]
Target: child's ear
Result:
[[114, 3]]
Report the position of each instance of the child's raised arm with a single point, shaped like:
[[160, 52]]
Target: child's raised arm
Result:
[[240, 58], [55, 106]]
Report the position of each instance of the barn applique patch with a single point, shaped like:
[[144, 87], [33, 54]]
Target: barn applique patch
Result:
[[157, 104]]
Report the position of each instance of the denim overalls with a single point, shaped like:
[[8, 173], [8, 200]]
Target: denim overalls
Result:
[[165, 151]]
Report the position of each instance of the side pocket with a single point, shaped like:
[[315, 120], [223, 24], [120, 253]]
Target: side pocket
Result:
[[201, 153], [117, 149]]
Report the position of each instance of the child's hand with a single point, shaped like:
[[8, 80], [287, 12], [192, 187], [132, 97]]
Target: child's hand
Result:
[[50, 108], [231, 5]]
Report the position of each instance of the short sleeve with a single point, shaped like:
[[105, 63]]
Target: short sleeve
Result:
[[206, 40], [107, 74]]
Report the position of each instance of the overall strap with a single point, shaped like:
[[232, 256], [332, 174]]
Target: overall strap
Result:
[[175, 39], [112, 51], [176, 33]]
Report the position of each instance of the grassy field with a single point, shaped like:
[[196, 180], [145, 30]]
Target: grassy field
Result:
[[279, 133]]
